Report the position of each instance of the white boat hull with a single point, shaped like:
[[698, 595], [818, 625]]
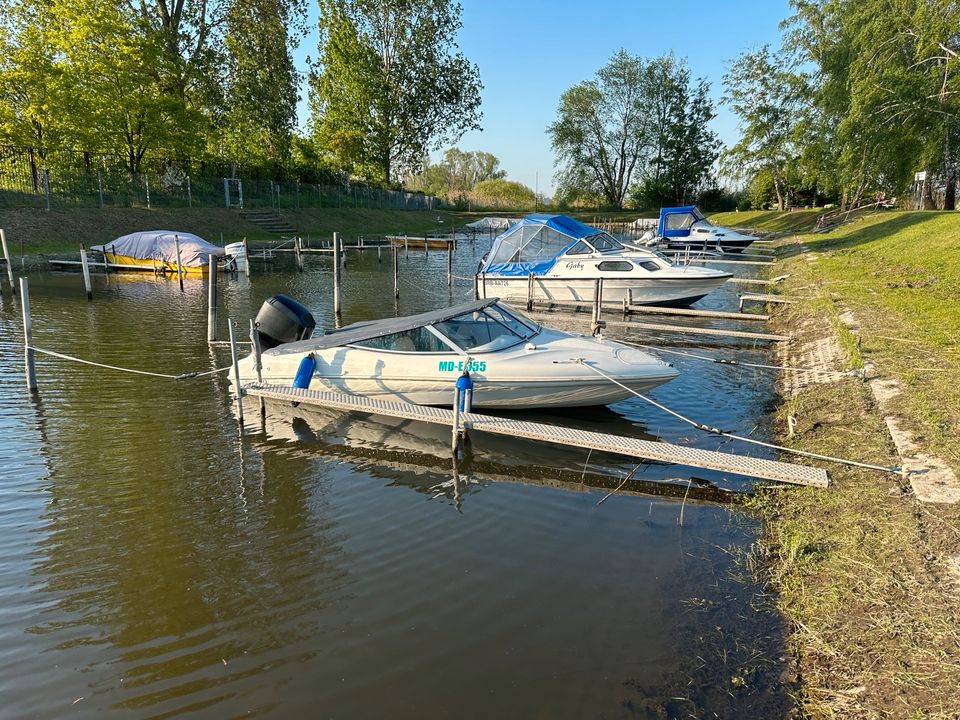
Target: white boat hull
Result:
[[640, 291], [537, 374]]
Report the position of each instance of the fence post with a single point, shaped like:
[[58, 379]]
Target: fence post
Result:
[[336, 273], [212, 299], [27, 337], [240, 192], [86, 271], [100, 187], [189, 193], [46, 186], [226, 193], [146, 184]]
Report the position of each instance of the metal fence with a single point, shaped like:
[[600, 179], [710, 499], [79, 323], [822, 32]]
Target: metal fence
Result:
[[29, 179]]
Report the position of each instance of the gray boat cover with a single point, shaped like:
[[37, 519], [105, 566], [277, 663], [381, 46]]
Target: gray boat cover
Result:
[[370, 329], [161, 245]]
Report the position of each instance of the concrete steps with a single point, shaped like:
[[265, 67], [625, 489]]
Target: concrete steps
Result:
[[268, 220]]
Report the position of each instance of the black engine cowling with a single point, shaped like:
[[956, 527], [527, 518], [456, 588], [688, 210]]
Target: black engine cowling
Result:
[[282, 320]]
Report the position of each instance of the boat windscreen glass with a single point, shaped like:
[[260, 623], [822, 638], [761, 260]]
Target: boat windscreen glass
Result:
[[532, 326], [604, 242], [484, 331], [417, 340]]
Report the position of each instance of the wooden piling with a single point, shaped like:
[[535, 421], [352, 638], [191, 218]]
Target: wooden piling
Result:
[[336, 273], [212, 300], [396, 272], [529, 292], [379, 249], [86, 272], [236, 374], [28, 362], [246, 254], [298, 253], [6, 256], [450, 265], [257, 364], [176, 240]]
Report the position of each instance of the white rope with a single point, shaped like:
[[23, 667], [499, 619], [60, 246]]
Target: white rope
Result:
[[721, 361], [182, 376], [718, 431]]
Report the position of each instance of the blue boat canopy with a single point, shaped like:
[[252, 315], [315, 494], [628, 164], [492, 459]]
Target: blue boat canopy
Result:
[[534, 243], [676, 221]]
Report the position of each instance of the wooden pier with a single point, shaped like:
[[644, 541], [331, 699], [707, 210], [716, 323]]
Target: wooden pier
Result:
[[541, 432]]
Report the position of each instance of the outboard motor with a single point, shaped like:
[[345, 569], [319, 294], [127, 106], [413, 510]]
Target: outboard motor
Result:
[[282, 320]]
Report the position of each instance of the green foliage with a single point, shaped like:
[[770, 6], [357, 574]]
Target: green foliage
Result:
[[457, 173], [636, 119], [390, 85], [505, 194]]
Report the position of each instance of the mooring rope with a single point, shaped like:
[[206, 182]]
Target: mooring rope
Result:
[[721, 361], [724, 433], [182, 376]]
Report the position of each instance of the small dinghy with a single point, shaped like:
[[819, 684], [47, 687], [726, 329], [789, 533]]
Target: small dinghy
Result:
[[514, 362]]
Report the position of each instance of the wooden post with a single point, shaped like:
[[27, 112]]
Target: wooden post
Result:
[[236, 374], [100, 187], [396, 272], [455, 434], [176, 240], [212, 300], [379, 248], [86, 271], [476, 286], [246, 254], [257, 364], [336, 273], [529, 292], [6, 256], [297, 252], [28, 363], [483, 280], [406, 246], [450, 265]]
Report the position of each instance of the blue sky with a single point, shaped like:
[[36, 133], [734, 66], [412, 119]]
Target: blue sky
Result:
[[530, 51]]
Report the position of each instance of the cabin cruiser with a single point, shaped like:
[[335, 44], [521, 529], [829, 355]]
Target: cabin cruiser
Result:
[[566, 257], [686, 227], [514, 362]]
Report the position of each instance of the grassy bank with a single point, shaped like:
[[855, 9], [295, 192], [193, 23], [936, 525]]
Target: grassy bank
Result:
[[36, 232], [867, 575]]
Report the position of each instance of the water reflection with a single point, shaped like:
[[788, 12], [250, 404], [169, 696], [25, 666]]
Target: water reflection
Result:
[[156, 565]]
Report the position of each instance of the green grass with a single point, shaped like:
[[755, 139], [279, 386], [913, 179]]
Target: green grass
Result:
[[769, 221], [862, 570], [36, 232]]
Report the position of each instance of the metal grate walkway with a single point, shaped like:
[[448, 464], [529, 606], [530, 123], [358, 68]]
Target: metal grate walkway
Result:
[[617, 444]]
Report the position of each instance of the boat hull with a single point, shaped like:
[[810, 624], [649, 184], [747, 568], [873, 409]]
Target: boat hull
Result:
[[642, 291], [158, 266]]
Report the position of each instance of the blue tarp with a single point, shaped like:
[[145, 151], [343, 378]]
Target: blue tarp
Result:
[[536, 242], [682, 210]]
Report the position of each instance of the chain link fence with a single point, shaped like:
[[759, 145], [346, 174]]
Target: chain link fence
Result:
[[69, 179]]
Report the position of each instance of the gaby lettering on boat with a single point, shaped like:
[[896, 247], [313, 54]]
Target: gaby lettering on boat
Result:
[[574, 266]]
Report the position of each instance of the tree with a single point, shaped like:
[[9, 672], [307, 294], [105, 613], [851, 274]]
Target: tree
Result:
[[761, 91], [504, 194], [457, 173], [390, 85], [601, 131]]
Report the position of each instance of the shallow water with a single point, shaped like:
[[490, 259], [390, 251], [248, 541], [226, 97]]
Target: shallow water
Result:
[[155, 565]]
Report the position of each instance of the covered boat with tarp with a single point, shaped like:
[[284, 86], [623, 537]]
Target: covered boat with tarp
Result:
[[514, 362], [157, 249], [556, 257]]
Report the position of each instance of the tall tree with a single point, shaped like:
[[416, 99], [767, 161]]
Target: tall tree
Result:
[[760, 89], [602, 130], [390, 85]]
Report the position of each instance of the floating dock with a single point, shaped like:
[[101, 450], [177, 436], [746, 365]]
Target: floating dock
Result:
[[572, 437]]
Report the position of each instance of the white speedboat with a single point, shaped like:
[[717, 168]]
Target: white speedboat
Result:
[[566, 257], [514, 362], [686, 227]]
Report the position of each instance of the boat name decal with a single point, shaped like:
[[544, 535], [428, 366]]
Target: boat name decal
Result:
[[574, 266], [472, 366]]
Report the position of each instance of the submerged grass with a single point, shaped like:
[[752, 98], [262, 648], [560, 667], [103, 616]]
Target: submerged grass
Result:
[[865, 574]]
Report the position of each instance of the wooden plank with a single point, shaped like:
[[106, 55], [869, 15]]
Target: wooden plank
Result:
[[554, 434], [762, 297]]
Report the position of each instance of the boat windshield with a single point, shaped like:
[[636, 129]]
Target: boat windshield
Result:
[[604, 242], [487, 330]]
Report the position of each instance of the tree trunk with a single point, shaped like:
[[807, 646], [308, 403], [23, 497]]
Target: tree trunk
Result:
[[926, 193], [950, 196], [778, 190]]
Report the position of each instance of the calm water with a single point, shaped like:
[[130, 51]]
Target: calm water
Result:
[[326, 566]]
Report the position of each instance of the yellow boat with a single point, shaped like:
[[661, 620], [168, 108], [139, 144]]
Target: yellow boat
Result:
[[157, 250]]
